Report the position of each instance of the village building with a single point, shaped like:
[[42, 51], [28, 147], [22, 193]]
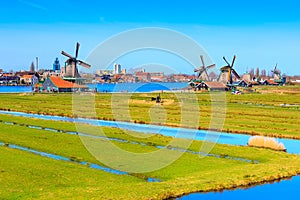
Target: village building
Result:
[[29, 79], [247, 76], [157, 76], [269, 82], [242, 83], [57, 84], [9, 79], [129, 78], [143, 76], [44, 74], [180, 77], [211, 86]]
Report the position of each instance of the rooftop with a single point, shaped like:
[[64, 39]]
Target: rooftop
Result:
[[60, 83]]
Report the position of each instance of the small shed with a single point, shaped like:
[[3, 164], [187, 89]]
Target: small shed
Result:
[[242, 83], [57, 84], [269, 82], [212, 86]]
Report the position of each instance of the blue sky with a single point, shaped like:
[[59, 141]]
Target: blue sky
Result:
[[260, 33]]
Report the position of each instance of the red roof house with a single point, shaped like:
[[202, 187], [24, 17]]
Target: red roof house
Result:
[[57, 84]]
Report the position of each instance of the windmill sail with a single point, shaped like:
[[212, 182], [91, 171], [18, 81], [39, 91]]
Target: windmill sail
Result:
[[71, 69], [202, 71]]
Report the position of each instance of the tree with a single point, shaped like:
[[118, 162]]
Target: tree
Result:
[[257, 72], [251, 72], [263, 73]]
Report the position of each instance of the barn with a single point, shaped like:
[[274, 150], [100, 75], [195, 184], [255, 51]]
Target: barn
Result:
[[57, 84], [212, 86]]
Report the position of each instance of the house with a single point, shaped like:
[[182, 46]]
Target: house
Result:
[[143, 76], [44, 74], [57, 84], [157, 76], [129, 78], [255, 83], [242, 83], [29, 79], [212, 86], [9, 79], [269, 82], [180, 77]]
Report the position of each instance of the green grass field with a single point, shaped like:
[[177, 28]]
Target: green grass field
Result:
[[243, 112], [28, 176], [24, 175]]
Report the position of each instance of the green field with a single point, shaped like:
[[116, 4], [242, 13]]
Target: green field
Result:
[[24, 175], [241, 115]]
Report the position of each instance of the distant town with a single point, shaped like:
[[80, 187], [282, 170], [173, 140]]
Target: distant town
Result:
[[118, 75], [35, 75], [67, 78]]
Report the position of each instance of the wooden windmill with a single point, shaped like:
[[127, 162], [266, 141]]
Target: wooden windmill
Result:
[[70, 70], [202, 71], [276, 73], [227, 72]]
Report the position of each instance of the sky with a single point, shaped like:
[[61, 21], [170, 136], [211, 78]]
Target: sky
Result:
[[259, 33]]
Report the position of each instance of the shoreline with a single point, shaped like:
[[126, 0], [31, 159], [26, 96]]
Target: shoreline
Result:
[[233, 187]]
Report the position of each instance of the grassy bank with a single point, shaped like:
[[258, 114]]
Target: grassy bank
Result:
[[28, 176]]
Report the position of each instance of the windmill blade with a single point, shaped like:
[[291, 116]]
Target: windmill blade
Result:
[[66, 54], [226, 61], [211, 66], [233, 60], [202, 60], [77, 49], [235, 74], [84, 64]]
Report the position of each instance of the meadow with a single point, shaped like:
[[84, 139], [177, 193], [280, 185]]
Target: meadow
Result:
[[275, 108], [25, 175]]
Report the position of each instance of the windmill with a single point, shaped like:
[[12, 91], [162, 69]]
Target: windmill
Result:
[[202, 71], [227, 72], [70, 69], [276, 73]]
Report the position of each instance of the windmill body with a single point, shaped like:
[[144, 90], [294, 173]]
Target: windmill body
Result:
[[203, 76], [227, 72], [278, 78], [276, 73], [202, 71], [224, 75]]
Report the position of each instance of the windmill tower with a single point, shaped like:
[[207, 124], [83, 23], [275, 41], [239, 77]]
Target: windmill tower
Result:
[[202, 71], [70, 71], [227, 72]]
